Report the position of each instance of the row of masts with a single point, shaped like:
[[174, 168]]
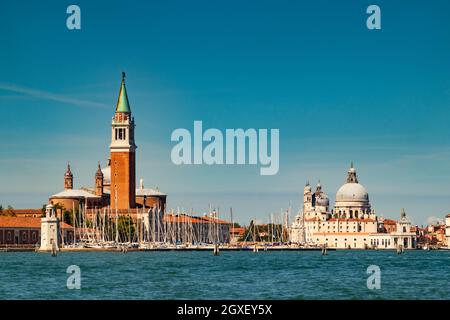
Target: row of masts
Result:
[[144, 226], [276, 229]]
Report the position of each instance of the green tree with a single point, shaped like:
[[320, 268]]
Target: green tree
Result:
[[10, 211], [68, 217], [126, 228]]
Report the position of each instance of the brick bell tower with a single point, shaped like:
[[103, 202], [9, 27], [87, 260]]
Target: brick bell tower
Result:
[[123, 159]]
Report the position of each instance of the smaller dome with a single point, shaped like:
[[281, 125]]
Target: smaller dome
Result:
[[323, 201], [106, 175]]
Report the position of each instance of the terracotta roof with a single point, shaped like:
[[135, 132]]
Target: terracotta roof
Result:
[[25, 211], [192, 219], [389, 221], [25, 222], [351, 220], [238, 231], [215, 220], [182, 219], [341, 233]]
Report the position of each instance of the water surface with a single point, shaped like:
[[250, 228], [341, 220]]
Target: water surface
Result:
[[232, 275]]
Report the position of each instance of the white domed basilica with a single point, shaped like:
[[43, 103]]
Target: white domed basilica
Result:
[[352, 199], [351, 224]]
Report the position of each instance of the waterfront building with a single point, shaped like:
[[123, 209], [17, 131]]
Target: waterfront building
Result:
[[447, 229], [435, 234], [94, 210], [352, 223], [236, 233]]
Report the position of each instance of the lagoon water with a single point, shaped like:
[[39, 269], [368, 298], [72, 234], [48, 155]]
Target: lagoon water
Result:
[[231, 275]]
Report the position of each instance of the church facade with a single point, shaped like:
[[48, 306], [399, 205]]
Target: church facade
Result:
[[114, 185], [351, 224]]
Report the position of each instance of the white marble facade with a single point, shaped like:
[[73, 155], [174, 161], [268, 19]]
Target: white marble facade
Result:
[[352, 223]]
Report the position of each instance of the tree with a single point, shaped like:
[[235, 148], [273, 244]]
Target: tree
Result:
[[126, 228], [68, 217], [10, 211]]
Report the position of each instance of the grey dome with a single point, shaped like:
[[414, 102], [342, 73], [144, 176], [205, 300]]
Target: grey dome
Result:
[[352, 192]]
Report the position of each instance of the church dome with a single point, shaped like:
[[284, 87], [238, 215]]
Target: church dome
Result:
[[106, 175], [352, 192], [323, 200]]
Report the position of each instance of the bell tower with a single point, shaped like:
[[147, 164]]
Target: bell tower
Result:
[[68, 178], [307, 198], [99, 181], [122, 150]]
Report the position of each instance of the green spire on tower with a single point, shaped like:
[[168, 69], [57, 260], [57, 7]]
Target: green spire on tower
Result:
[[123, 105]]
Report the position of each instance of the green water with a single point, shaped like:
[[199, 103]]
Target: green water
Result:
[[232, 275]]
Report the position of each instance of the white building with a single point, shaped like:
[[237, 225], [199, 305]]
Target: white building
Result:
[[351, 224], [447, 229], [49, 230]]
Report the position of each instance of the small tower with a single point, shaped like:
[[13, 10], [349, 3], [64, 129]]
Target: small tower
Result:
[[99, 181], [403, 225], [49, 230], [318, 188], [307, 198], [351, 177], [68, 178]]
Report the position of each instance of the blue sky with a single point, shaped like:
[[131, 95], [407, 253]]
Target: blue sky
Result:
[[337, 91]]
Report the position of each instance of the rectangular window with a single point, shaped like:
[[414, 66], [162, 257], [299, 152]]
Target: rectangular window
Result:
[[124, 134], [116, 133], [120, 134]]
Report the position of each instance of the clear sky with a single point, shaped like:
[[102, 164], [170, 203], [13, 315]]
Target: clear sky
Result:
[[337, 91]]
